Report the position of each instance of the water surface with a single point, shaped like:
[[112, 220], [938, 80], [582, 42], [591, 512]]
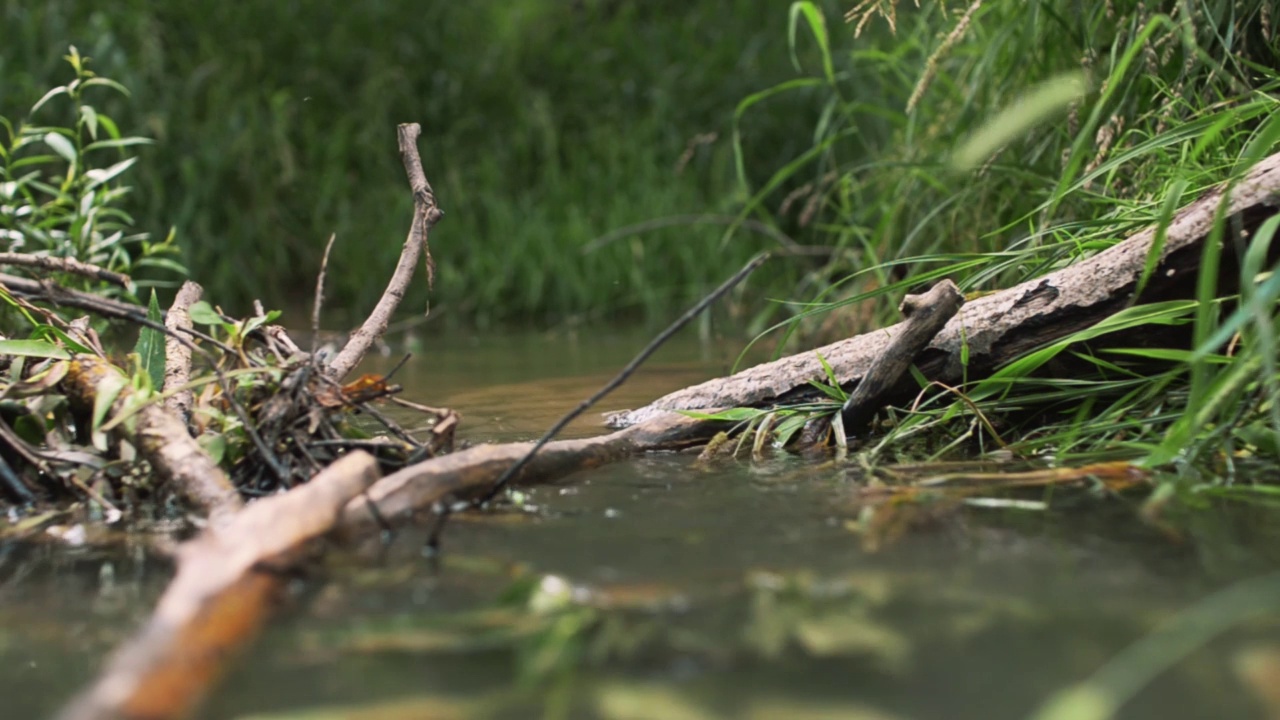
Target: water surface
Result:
[[663, 587]]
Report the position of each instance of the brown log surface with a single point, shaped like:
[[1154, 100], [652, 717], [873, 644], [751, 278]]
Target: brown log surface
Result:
[[473, 471]]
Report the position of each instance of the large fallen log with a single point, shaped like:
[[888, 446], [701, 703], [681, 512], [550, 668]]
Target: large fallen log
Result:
[[228, 578], [1002, 326]]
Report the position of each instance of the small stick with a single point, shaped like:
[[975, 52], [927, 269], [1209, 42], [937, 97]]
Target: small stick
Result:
[[319, 299], [177, 356], [925, 314], [426, 214], [67, 265]]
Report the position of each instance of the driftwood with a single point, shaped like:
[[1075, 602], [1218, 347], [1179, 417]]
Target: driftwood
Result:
[[177, 355], [227, 580], [1002, 326]]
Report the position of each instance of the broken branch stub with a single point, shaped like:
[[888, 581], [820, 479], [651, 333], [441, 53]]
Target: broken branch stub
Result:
[[925, 315]]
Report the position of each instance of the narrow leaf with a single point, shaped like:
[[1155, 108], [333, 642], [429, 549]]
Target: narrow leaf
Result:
[[33, 348], [61, 145], [150, 347]]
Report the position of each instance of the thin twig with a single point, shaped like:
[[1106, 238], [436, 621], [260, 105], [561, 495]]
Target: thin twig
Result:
[[67, 265], [625, 373], [319, 299], [58, 295]]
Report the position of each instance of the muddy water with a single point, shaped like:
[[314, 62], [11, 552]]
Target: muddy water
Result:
[[665, 588]]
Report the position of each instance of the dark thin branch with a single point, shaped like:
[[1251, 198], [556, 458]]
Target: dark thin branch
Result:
[[58, 295], [625, 373], [67, 265]]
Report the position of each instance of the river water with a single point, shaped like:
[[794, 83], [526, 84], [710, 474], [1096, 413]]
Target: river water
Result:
[[665, 588]]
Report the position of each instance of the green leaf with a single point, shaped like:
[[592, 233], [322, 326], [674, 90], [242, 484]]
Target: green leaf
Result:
[[61, 145], [118, 143], [730, 415], [46, 332], [98, 176], [818, 25], [215, 445], [90, 118], [107, 83], [106, 392], [33, 348], [202, 312], [47, 97], [150, 347]]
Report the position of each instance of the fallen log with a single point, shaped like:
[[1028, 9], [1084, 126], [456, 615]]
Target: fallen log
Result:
[[1004, 325]]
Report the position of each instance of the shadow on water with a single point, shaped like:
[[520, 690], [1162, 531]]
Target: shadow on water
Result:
[[668, 588]]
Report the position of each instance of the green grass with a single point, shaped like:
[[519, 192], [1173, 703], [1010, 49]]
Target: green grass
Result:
[[546, 125], [996, 146]]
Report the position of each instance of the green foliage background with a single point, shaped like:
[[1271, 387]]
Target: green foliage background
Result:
[[546, 124]]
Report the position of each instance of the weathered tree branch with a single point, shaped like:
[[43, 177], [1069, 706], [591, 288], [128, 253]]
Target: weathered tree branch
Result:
[[57, 295], [1002, 326], [925, 315], [160, 437], [426, 214], [228, 578], [473, 472]]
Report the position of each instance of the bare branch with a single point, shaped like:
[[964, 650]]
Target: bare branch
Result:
[[227, 578], [67, 265], [319, 299], [425, 215]]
